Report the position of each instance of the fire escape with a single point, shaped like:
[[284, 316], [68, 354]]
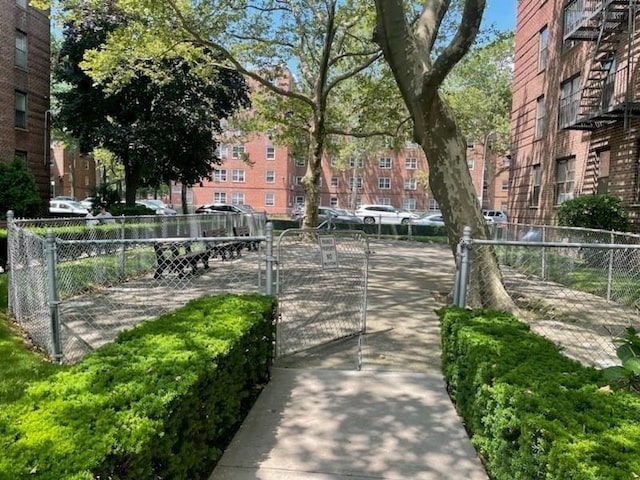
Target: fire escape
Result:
[[608, 92]]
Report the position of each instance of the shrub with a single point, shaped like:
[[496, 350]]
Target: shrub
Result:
[[603, 212], [18, 191], [531, 412], [162, 401]]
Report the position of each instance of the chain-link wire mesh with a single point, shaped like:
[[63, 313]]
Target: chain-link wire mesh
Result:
[[321, 285], [109, 277], [579, 295]]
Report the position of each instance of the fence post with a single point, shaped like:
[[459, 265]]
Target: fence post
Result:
[[269, 259], [52, 294], [456, 282], [10, 226], [544, 255], [379, 226], [409, 232], [610, 273], [464, 267], [122, 249]]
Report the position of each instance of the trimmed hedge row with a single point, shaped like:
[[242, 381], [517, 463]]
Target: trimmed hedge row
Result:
[[531, 412], [162, 401]]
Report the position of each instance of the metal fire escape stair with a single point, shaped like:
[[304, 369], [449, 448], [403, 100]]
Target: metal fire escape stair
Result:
[[602, 21]]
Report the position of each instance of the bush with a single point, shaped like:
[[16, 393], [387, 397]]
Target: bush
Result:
[[162, 401], [531, 412], [602, 212], [18, 191]]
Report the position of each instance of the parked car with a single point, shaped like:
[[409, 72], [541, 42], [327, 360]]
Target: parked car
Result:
[[385, 214], [158, 206], [65, 198], [498, 216], [87, 202], [66, 208], [225, 208], [429, 219], [336, 215]]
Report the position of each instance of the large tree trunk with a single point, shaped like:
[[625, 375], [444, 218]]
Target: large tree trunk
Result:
[[452, 187], [311, 179], [131, 180]]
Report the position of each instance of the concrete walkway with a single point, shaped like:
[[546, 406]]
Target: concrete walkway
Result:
[[320, 419]]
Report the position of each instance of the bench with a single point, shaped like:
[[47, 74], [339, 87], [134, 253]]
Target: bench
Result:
[[243, 231], [169, 256], [226, 250]]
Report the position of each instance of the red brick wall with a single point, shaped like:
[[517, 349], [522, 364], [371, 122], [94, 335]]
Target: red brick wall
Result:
[[529, 84], [34, 81]]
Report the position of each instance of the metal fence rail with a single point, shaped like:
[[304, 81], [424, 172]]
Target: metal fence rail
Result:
[[580, 294], [321, 285], [73, 287]]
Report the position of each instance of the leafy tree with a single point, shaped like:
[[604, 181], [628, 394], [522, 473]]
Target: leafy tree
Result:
[[159, 129], [18, 190], [603, 212], [326, 42], [409, 46]]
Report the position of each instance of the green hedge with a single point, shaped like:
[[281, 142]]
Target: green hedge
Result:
[[532, 413], [162, 401]]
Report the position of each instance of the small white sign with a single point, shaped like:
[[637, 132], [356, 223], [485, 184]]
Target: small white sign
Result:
[[328, 251]]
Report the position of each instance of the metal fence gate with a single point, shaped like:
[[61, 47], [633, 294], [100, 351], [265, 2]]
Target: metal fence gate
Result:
[[321, 284]]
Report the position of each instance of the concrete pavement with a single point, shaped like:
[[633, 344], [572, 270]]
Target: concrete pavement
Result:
[[319, 419]]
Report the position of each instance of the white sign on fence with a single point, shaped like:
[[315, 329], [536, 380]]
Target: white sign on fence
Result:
[[328, 251]]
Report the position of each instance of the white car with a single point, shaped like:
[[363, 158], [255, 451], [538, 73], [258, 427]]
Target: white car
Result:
[[68, 208], [498, 216], [388, 214]]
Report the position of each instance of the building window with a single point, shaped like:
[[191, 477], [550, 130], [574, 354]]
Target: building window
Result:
[[298, 180], [384, 183], [603, 172], [411, 163], [219, 197], [569, 102], [222, 151], [385, 201], [356, 164], [409, 204], [299, 200], [21, 49], [432, 205], [220, 175], [335, 162], [410, 184], [335, 182], [86, 164], [237, 198], [237, 152], [333, 201], [21, 110], [572, 17], [565, 174], [270, 176], [543, 48], [539, 117], [237, 176], [299, 162], [21, 156], [358, 182], [505, 185], [506, 161], [86, 181], [271, 152], [385, 163], [470, 143], [269, 199], [536, 177], [471, 162]]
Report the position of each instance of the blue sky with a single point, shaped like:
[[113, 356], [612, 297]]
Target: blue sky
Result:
[[502, 13]]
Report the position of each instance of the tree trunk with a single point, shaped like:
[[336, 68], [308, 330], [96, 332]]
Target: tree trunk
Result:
[[310, 181], [131, 180], [183, 199], [450, 181]]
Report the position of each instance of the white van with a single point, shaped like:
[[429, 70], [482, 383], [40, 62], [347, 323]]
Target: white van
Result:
[[498, 216]]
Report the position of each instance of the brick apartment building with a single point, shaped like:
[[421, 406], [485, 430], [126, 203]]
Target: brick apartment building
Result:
[[72, 173], [576, 105], [267, 177], [24, 84]]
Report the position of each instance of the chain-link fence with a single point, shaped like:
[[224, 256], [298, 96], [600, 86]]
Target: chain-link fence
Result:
[[579, 288], [73, 286], [321, 285]]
